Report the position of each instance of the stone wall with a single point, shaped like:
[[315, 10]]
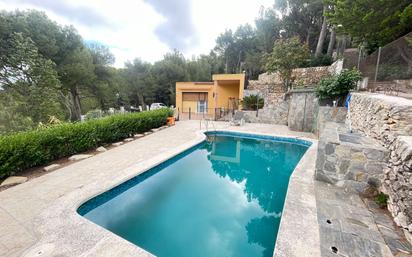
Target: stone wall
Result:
[[381, 117], [349, 160], [389, 120], [398, 181], [329, 114], [285, 108], [276, 103]]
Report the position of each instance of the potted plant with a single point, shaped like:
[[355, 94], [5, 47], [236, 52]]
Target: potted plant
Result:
[[170, 119]]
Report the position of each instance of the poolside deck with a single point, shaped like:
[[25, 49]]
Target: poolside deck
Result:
[[38, 218]]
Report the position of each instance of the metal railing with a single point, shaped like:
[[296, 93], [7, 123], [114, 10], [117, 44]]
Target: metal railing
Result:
[[389, 69], [216, 114]]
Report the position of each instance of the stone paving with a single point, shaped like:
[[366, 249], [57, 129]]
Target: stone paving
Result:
[[38, 218], [355, 227]]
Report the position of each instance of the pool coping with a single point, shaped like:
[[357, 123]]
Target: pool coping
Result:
[[61, 226]]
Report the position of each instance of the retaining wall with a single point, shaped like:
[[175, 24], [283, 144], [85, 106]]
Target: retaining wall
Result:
[[389, 120]]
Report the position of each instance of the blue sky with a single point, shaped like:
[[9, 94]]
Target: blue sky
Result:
[[147, 29]]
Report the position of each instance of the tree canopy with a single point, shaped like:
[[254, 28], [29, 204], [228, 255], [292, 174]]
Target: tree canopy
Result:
[[374, 22]]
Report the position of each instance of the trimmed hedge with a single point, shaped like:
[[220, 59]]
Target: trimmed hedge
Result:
[[24, 150]]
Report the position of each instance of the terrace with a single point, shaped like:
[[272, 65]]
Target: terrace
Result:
[[38, 218]]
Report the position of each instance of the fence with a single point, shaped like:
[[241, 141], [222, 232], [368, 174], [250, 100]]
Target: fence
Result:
[[389, 69], [217, 114]]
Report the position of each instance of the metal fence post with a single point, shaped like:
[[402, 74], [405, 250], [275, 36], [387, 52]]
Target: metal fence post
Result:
[[257, 105], [377, 63], [190, 113]]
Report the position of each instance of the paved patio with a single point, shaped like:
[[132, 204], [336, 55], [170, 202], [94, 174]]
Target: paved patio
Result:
[[38, 218]]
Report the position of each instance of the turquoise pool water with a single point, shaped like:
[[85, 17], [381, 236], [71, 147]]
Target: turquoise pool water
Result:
[[221, 198]]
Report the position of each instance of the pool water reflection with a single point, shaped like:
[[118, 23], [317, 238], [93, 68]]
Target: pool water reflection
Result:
[[222, 198]]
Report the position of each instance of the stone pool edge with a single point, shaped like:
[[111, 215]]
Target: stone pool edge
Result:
[[61, 228], [298, 234]]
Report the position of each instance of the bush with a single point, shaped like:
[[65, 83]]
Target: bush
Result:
[[37, 147], [94, 114], [338, 86], [382, 200], [251, 102], [316, 61]]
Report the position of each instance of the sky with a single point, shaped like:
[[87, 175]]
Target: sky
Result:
[[147, 29]]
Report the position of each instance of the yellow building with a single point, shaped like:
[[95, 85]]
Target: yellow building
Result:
[[205, 98]]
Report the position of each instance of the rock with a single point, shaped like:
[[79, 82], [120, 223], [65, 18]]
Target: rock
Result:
[[401, 220], [78, 157], [329, 149], [129, 139], [52, 167], [117, 144], [13, 180], [138, 135], [147, 133], [155, 129], [101, 149], [408, 235]]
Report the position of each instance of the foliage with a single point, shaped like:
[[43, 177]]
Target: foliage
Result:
[[94, 114], [170, 112], [287, 55], [252, 102], [29, 149], [301, 18], [338, 85], [374, 22], [321, 60], [389, 71], [382, 200], [69, 77]]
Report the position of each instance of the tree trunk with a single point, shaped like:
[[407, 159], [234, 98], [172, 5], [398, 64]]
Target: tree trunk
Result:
[[141, 101], [308, 37], [322, 35], [331, 42], [76, 107]]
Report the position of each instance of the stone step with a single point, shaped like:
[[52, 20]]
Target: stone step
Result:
[[350, 160]]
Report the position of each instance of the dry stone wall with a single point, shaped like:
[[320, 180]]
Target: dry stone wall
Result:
[[398, 181], [389, 120], [275, 109]]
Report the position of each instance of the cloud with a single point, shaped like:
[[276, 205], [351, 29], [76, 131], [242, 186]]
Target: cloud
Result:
[[178, 30], [84, 15], [147, 29]]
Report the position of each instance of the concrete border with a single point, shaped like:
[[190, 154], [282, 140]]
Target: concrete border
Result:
[[61, 230]]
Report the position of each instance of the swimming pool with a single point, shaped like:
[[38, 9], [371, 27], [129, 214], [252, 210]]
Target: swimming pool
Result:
[[222, 197]]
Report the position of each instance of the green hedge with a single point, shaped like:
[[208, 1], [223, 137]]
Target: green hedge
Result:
[[37, 147]]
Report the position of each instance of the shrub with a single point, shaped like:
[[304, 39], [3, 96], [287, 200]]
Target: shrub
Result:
[[382, 200], [37, 147], [252, 103], [316, 61], [171, 112], [338, 86], [94, 114]]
